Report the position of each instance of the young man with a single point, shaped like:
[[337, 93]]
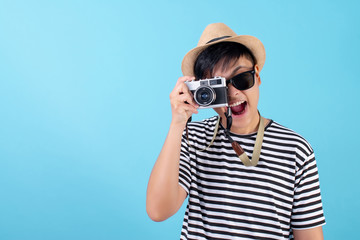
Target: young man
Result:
[[247, 177]]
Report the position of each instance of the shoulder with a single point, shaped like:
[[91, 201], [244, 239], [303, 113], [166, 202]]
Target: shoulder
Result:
[[285, 136], [205, 125], [201, 133]]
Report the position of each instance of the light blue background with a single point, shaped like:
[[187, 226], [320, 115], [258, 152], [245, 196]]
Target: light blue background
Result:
[[84, 101]]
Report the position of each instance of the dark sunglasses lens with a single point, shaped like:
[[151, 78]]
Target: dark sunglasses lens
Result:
[[243, 81]]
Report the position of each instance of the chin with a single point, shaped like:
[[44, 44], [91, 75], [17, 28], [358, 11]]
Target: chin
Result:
[[245, 120]]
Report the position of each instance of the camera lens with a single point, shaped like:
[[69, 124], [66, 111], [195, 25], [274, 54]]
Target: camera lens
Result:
[[204, 96]]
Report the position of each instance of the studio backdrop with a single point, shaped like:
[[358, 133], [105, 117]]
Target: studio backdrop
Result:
[[84, 105]]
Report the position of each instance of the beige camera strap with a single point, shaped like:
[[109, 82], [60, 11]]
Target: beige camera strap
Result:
[[236, 146], [257, 148]]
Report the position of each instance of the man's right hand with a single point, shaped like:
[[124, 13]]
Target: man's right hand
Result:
[[182, 102], [165, 195]]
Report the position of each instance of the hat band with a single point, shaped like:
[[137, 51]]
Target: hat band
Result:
[[216, 39]]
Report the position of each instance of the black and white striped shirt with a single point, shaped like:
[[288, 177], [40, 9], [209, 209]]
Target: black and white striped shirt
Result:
[[228, 200]]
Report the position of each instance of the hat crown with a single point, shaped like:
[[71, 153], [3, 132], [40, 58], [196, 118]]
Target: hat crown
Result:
[[215, 31], [219, 32]]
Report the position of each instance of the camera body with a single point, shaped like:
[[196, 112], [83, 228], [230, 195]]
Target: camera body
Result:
[[209, 93]]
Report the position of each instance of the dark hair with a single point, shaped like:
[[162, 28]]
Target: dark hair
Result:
[[223, 51]]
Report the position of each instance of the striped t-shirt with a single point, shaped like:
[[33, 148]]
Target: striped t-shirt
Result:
[[228, 200]]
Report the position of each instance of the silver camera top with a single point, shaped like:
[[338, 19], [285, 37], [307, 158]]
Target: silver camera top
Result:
[[213, 82]]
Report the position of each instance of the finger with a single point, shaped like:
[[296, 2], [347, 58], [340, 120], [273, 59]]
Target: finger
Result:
[[181, 106], [189, 99], [184, 79], [185, 96], [188, 108], [181, 88]]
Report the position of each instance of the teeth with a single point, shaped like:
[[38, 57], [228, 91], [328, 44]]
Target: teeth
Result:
[[236, 104]]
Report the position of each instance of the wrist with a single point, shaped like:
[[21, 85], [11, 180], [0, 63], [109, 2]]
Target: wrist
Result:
[[179, 121], [180, 125]]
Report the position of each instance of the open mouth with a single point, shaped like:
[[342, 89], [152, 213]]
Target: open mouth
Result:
[[238, 108]]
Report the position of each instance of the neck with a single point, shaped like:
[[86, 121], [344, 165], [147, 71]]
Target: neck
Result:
[[252, 127]]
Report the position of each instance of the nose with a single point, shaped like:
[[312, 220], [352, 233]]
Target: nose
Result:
[[233, 92]]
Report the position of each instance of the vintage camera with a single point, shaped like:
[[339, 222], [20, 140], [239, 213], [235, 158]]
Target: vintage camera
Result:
[[209, 93]]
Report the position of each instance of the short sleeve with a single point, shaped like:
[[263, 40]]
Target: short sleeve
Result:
[[184, 166], [307, 206]]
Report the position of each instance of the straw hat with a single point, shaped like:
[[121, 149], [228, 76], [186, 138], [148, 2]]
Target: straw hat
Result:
[[219, 32]]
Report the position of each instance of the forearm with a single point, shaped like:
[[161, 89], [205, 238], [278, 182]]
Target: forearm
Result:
[[164, 196], [309, 234]]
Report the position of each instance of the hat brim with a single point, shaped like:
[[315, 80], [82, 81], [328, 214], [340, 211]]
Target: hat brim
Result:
[[252, 43]]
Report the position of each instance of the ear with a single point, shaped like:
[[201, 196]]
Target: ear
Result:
[[257, 74]]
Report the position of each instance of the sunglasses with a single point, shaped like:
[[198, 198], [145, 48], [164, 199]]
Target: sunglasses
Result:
[[243, 80]]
